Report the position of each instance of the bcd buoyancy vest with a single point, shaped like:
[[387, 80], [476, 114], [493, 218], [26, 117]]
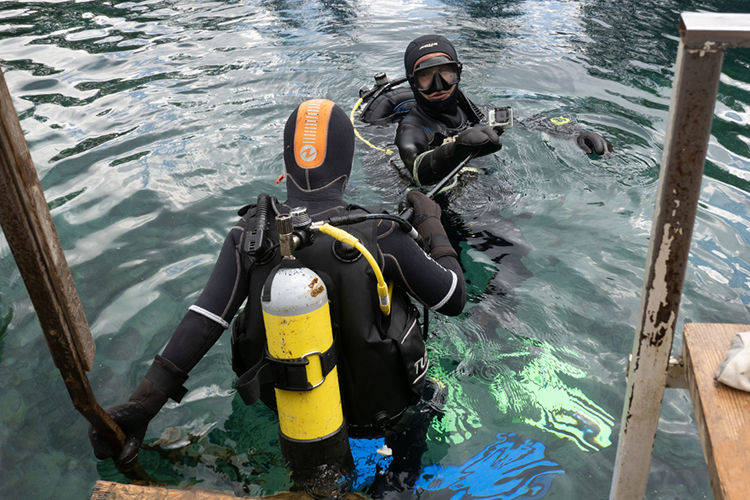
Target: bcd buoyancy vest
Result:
[[382, 360]]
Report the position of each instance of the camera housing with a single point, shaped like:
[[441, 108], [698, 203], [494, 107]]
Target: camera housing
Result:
[[501, 117]]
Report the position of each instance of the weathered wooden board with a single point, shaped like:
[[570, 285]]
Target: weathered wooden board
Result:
[[27, 225], [722, 412], [32, 237], [104, 490]]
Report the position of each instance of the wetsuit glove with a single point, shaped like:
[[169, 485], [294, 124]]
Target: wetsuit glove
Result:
[[163, 380], [592, 142], [427, 222], [480, 140], [433, 165]]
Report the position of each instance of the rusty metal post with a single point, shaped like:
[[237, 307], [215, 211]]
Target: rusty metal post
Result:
[[27, 224], [703, 39]]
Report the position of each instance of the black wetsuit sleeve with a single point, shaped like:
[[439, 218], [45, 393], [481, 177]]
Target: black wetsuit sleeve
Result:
[[562, 126], [411, 141], [438, 284], [426, 166], [214, 309]]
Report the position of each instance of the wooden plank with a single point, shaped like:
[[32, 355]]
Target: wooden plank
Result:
[[105, 490], [722, 412], [32, 237], [27, 224]]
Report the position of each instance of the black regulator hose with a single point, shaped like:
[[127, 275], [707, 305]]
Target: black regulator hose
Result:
[[256, 237], [353, 219]]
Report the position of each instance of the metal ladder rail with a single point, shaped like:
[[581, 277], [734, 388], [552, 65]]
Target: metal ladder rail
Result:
[[703, 40]]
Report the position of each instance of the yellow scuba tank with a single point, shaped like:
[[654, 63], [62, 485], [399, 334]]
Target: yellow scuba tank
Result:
[[300, 344]]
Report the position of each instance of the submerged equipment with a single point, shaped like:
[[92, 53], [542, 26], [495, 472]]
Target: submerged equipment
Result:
[[384, 104], [384, 101]]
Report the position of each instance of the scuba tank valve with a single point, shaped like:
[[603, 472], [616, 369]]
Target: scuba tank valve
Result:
[[286, 236], [380, 79]]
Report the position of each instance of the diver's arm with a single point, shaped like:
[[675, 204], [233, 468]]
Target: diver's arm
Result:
[[428, 166], [197, 332], [561, 126], [435, 279], [411, 141], [214, 309], [439, 284]]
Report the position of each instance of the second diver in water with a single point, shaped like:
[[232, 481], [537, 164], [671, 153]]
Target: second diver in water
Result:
[[443, 127]]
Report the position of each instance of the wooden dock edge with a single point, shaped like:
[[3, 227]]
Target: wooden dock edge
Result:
[[106, 490], [722, 413]]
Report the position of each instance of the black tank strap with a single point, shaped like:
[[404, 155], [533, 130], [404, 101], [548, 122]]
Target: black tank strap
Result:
[[291, 374], [285, 374], [249, 384]]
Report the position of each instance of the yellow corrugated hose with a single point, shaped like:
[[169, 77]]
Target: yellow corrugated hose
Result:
[[356, 132], [344, 237]]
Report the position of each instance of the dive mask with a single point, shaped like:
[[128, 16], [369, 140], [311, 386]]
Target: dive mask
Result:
[[436, 74]]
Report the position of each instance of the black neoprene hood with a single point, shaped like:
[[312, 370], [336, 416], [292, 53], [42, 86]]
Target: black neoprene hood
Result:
[[420, 47], [427, 44]]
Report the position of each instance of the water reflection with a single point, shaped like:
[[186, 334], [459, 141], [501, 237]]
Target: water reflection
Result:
[[531, 382], [509, 469]]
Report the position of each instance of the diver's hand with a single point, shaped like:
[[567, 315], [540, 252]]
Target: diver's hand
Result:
[[133, 419], [427, 223], [592, 142], [424, 209], [480, 139], [433, 165]]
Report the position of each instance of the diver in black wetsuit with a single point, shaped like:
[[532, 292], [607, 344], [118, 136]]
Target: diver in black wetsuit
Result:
[[445, 127], [376, 388]]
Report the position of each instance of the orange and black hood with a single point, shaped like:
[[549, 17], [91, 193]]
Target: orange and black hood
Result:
[[318, 153]]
